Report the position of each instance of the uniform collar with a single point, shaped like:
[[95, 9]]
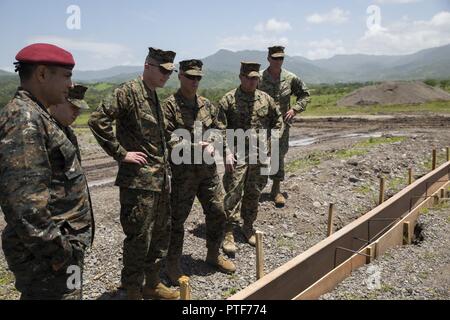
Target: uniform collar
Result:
[[247, 96], [267, 76], [26, 95], [146, 91], [184, 103]]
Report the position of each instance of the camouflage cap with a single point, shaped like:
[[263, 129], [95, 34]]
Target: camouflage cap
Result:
[[76, 96], [250, 69], [192, 67], [164, 58], [276, 52]]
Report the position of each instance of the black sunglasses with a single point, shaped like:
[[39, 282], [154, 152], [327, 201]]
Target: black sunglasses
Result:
[[277, 59], [191, 77], [164, 71]]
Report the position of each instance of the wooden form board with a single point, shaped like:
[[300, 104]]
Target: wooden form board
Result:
[[393, 237], [300, 273]]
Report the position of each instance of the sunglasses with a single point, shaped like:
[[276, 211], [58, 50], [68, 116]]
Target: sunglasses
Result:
[[191, 77], [277, 59], [164, 71]]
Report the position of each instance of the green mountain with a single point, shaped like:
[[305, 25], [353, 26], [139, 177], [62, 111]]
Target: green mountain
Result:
[[222, 68]]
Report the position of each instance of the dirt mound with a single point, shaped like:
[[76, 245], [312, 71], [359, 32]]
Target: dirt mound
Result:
[[396, 92]]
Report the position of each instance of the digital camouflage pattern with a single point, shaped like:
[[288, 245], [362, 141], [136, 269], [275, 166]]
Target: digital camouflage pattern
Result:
[[145, 220], [44, 197], [191, 180], [140, 127], [281, 91], [144, 189], [244, 186]]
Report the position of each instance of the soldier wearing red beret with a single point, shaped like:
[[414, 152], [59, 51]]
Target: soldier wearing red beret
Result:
[[43, 191]]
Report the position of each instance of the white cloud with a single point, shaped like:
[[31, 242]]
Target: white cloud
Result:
[[325, 48], [273, 25], [91, 55], [406, 37], [336, 16], [255, 42], [396, 1], [97, 49], [267, 34]]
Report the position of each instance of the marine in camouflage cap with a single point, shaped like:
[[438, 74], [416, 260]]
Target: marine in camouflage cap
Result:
[[192, 67], [281, 85], [139, 146], [163, 58], [276, 52], [76, 96], [250, 69]]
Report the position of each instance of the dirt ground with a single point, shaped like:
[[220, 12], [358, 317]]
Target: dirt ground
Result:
[[331, 160]]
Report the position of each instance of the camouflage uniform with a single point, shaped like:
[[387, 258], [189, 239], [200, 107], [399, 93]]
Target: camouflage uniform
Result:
[[190, 180], [281, 92], [144, 189], [45, 199], [244, 186]]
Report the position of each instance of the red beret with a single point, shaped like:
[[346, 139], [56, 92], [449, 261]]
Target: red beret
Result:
[[46, 54]]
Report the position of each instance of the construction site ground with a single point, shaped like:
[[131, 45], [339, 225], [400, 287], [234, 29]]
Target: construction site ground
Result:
[[331, 160]]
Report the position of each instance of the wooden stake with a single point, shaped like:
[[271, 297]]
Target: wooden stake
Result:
[[330, 220], [433, 166], [259, 255], [185, 288], [448, 154], [410, 176], [381, 198], [369, 252], [406, 233], [442, 193]]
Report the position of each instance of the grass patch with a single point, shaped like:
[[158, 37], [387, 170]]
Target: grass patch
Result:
[[228, 293], [348, 153], [286, 243], [364, 189], [325, 105], [310, 160], [6, 278], [397, 184], [372, 141]]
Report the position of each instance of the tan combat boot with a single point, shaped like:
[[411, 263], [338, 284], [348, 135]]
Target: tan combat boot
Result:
[[249, 234], [228, 245], [160, 292], [220, 262], [173, 271], [277, 197]]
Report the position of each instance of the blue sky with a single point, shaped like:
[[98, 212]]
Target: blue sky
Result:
[[119, 32]]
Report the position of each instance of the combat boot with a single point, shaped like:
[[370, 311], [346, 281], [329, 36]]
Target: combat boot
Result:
[[160, 292], [228, 245], [134, 293], [220, 262], [249, 234], [276, 195], [173, 271], [280, 200]]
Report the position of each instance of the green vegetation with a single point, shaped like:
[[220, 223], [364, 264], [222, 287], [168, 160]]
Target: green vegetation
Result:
[[373, 141], [359, 149], [228, 293], [283, 242], [310, 160], [348, 153]]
